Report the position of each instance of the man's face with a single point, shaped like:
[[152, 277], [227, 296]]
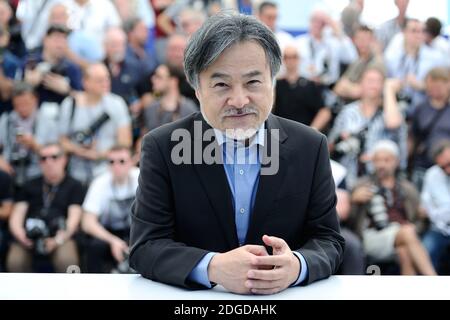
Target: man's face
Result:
[[160, 79], [443, 161], [175, 50], [56, 44], [236, 91], [372, 84], [97, 80], [25, 104], [58, 15], [437, 88], [363, 40], [189, 24], [291, 58], [140, 31], [414, 34], [317, 23], [269, 17], [120, 163], [115, 47], [385, 164], [52, 161]]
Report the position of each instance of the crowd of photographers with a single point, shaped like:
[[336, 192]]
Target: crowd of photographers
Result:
[[81, 81]]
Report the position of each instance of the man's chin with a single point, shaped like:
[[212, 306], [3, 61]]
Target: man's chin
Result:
[[240, 134]]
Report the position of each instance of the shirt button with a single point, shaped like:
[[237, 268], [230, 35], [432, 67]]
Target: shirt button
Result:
[[241, 172], [242, 210]]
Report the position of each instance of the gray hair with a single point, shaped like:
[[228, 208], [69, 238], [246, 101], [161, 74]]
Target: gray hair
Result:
[[222, 31], [438, 148]]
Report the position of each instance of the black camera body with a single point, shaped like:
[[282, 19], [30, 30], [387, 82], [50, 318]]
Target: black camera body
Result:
[[38, 230]]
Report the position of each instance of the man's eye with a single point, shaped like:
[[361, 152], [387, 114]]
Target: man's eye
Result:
[[220, 85], [254, 82]]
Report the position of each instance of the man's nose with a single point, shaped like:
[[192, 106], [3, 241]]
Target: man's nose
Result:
[[239, 98]]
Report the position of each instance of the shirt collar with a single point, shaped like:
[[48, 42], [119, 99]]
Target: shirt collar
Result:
[[258, 138]]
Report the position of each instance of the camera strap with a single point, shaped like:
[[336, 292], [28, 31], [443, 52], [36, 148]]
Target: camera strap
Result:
[[48, 196]]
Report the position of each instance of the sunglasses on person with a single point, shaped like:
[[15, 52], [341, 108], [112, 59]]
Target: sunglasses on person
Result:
[[53, 157], [119, 161]]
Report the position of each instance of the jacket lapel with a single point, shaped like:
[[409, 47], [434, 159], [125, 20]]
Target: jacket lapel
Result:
[[214, 181], [269, 184]]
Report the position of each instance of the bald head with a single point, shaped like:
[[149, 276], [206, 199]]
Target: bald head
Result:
[[96, 79], [115, 44], [175, 50], [59, 14]]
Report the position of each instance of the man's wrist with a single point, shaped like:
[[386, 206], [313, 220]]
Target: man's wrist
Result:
[[212, 267]]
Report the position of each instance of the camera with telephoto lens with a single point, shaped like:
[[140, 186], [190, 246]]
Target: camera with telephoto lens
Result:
[[84, 137], [377, 209], [124, 266], [38, 230]]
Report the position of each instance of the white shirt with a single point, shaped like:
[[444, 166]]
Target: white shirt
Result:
[[94, 17], [399, 64], [103, 191], [330, 51], [34, 20], [436, 198]]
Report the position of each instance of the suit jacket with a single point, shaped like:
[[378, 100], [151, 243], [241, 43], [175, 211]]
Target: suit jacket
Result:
[[182, 212]]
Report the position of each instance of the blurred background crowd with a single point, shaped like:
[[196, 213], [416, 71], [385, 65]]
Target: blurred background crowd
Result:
[[81, 81]]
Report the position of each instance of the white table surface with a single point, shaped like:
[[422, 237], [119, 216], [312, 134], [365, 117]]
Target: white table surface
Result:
[[134, 287]]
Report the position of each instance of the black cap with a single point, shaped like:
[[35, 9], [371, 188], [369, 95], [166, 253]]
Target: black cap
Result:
[[58, 28]]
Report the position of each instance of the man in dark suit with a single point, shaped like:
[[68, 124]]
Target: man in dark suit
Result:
[[233, 195]]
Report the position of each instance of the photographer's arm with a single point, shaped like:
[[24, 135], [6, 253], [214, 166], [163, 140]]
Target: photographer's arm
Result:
[[321, 119], [72, 224], [16, 224], [392, 116], [124, 136], [5, 166], [92, 226], [5, 210], [346, 89], [6, 86], [80, 151]]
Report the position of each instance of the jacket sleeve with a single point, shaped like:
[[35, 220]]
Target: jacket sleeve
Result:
[[324, 249], [154, 252]]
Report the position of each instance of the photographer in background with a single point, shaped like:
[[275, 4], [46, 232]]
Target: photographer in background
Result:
[[91, 123], [436, 200], [387, 216], [430, 123], [409, 59], [22, 131], [9, 70], [46, 215], [362, 123], [107, 212], [54, 76]]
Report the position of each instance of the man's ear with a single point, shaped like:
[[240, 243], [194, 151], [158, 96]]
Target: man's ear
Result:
[[197, 94]]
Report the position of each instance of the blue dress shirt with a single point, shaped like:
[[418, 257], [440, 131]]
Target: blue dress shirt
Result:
[[242, 167]]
